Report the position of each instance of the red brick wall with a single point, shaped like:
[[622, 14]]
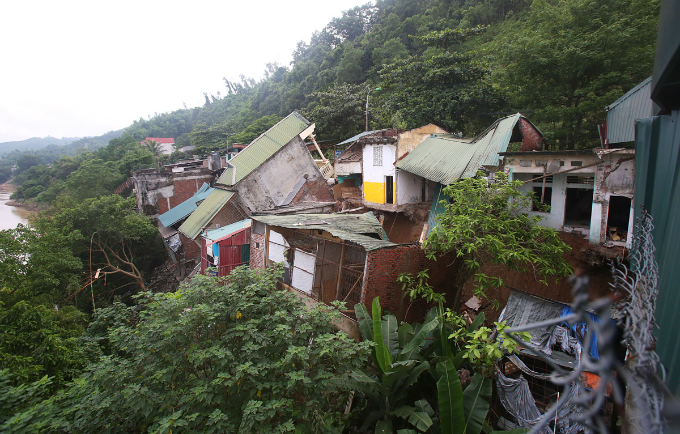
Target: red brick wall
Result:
[[185, 188], [256, 253], [162, 205], [314, 192], [531, 139], [385, 265], [191, 249]]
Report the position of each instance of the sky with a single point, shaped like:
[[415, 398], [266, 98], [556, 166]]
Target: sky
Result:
[[71, 68]]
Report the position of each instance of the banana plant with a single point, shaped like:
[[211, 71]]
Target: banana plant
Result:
[[398, 364]]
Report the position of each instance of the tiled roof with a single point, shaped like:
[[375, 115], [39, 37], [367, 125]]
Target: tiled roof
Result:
[[161, 139]]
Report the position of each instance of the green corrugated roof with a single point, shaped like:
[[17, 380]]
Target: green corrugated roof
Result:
[[438, 159], [357, 228], [205, 212], [446, 160], [264, 147]]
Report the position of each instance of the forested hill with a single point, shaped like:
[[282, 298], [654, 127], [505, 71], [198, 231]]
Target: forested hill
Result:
[[34, 143], [457, 63], [460, 64]]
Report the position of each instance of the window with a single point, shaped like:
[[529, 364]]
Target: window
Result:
[[542, 206], [377, 155], [577, 163], [578, 179]]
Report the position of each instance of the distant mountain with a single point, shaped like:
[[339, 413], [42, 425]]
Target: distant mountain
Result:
[[35, 143], [57, 149]]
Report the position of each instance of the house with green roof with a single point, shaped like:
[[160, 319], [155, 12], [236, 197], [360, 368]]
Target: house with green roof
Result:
[[274, 174]]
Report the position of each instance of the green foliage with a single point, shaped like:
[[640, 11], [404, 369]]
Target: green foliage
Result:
[[442, 89], [488, 222], [411, 360], [94, 178], [339, 111], [36, 265], [241, 357], [566, 60], [108, 235], [39, 341], [398, 364]]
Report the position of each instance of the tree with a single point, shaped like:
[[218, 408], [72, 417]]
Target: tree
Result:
[[37, 341], [442, 86], [27, 161], [489, 223], [217, 356], [154, 148], [567, 60], [109, 236], [94, 178], [339, 112], [37, 265]]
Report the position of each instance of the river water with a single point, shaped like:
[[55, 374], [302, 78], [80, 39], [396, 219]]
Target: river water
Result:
[[10, 216]]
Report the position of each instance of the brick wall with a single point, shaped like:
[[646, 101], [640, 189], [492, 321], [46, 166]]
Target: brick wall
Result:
[[531, 139], [385, 265], [314, 191], [230, 213], [191, 249], [257, 251], [185, 188]]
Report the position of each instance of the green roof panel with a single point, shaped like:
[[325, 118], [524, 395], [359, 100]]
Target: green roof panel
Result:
[[263, 147], [205, 212], [358, 228]]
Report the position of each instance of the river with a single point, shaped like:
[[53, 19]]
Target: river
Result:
[[10, 216]]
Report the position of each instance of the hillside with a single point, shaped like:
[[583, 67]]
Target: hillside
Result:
[[34, 143]]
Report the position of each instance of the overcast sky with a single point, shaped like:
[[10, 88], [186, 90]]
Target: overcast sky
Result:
[[71, 68]]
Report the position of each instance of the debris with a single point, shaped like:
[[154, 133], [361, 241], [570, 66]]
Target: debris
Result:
[[474, 303]]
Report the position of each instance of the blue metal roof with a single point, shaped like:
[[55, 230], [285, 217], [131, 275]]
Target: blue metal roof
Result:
[[360, 135], [185, 208]]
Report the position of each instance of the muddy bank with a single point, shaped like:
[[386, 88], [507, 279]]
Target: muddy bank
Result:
[[11, 215]]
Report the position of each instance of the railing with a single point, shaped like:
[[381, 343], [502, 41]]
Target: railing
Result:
[[325, 167]]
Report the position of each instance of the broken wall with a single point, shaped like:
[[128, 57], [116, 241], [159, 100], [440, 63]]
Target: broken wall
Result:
[[289, 176], [383, 266]]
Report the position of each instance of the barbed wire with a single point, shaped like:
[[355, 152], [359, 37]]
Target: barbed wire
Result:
[[635, 295]]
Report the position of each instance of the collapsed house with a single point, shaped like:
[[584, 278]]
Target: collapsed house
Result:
[[524, 386], [442, 159], [274, 174], [343, 257], [367, 178], [589, 192]]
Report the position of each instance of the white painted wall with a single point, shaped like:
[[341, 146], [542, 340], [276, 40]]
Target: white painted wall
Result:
[[346, 169], [373, 173], [409, 187]]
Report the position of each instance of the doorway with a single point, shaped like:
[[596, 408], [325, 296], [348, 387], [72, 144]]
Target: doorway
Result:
[[389, 189], [618, 218], [578, 207]]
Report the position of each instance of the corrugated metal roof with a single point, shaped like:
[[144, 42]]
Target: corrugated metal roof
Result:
[[216, 235], [205, 212], [446, 160], [622, 113], [360, 135], [357, 228], [185, 208], [439, 159], [264, 147]]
